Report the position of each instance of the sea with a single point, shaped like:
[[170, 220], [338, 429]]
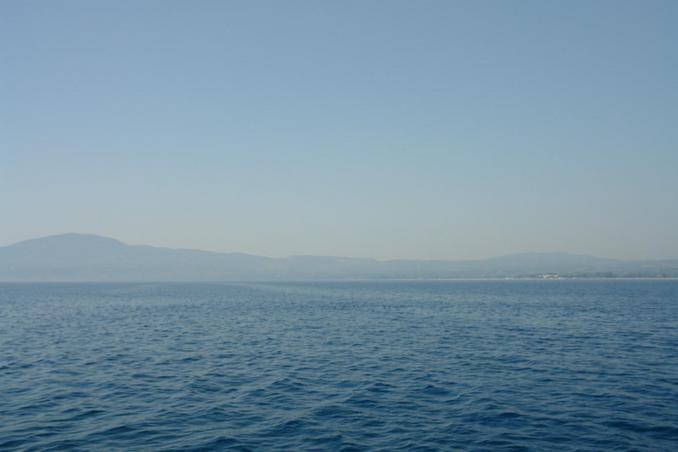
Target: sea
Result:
[[562, 365]]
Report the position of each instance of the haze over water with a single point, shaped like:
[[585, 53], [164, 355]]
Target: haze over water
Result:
[[353, 140], [491, 365]]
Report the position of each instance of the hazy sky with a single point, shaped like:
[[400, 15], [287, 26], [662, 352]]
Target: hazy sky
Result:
[[417, 129]]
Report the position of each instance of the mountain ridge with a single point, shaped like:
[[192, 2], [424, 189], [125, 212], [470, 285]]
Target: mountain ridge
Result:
[[91, 257]]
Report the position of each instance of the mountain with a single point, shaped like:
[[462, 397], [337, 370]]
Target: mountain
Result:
[[84, 257]]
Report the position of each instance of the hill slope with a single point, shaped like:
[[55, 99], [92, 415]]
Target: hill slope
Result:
[[84, 257]]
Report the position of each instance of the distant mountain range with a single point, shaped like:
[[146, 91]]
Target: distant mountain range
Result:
[[84, 257]]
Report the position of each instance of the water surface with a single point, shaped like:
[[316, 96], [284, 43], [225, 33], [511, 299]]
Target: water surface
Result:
[[493, 365]]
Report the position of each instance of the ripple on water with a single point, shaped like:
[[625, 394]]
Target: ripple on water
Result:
[[513, 365]]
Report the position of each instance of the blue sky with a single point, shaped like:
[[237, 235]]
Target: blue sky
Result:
[[430, 129]]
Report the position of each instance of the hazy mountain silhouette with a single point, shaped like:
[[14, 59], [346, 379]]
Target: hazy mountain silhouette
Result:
[[85, 257]]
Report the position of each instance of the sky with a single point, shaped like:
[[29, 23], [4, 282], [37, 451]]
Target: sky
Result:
[[371, 128]]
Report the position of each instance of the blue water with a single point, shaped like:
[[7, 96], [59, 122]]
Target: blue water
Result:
[[506, 365]]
